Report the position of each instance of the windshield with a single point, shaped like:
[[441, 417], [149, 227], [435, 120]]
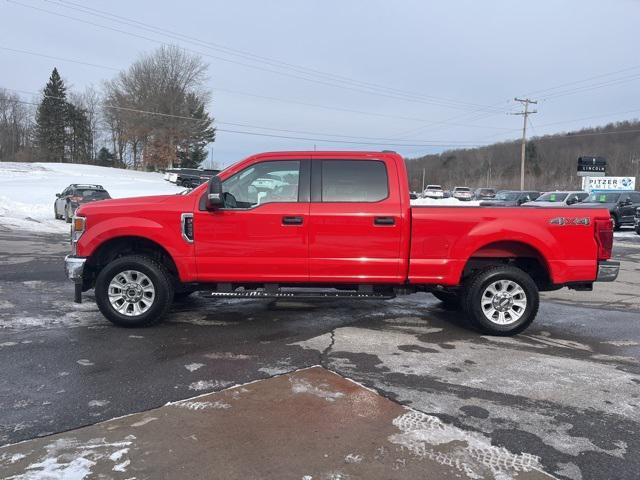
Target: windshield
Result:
[[603, 197], [553, 197], [93, 194], [434, 187], [462, 189], [507, 196]]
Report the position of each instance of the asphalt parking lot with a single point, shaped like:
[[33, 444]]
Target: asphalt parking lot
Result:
[[565, 395]]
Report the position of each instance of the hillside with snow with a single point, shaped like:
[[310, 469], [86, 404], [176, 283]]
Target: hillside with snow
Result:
[[28, 190]]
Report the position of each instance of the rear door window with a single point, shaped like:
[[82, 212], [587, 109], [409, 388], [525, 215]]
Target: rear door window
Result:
[[354, 181]]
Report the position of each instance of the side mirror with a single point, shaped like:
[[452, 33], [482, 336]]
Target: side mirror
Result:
[[58, 195], [214, 194]]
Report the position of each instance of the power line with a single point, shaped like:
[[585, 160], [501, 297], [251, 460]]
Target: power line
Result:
[[325, 140], [248, 55], [403, 97], [252, 95]]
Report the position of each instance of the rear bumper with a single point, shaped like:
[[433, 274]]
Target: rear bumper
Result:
[[607, 271], [74, 267]]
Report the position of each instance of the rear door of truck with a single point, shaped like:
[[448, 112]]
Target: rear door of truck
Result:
[[355, 221]]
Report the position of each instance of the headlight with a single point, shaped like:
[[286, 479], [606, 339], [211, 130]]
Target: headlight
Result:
[[78, 226]]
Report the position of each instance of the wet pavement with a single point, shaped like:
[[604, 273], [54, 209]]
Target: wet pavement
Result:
[[566, 392], [308, 424]]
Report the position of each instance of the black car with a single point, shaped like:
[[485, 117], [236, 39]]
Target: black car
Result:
[[485, 193], [510, 198], [621, 205], [636, 221], [75, 195], [190, 177]]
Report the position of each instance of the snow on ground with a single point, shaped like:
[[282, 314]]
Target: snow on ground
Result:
[[628, 235], [445, 202], [28, 190]]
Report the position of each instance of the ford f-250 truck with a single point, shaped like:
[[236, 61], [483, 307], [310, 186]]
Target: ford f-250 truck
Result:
[[331, 224]]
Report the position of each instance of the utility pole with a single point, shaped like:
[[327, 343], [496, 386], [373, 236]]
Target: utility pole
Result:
[[423, 173], [525, 114]]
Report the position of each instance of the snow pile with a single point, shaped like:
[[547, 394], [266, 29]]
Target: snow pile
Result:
[[28, 190], [445, 202]]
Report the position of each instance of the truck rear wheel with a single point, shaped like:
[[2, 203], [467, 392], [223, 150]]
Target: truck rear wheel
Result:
[[501, 300], [134, 291]]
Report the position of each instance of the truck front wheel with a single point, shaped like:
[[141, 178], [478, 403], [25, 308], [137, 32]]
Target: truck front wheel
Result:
[[501, 300], [134, 291]]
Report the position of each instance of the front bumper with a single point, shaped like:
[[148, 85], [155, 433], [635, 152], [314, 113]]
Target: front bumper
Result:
[[607, 271], [74, 267]]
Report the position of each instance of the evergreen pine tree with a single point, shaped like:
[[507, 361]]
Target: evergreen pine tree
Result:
[[105, 158], [78, 135], [51, 119], [202, 132]]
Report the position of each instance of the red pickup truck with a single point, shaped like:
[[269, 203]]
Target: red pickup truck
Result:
[[331, 224]]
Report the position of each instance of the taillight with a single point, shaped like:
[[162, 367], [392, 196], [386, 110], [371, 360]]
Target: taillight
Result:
[[604, 237]]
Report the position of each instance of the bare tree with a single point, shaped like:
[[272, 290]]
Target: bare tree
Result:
[[163, 82], [16, 128]]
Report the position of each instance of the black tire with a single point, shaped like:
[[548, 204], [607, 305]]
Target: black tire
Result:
[[475, 289], [638, 229], [450, 300], [159, 277], [615, 222], [67, 217]]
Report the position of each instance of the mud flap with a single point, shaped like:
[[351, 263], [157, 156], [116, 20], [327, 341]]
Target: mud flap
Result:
[[77, 294]]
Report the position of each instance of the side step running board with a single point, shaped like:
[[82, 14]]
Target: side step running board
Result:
[[298, 294]]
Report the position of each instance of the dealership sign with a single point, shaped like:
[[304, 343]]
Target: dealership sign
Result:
[[592, 166], [608, 183]]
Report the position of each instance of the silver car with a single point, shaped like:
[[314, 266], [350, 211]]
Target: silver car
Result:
[[558, 199]]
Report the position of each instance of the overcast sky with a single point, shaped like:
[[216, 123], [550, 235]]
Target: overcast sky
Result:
[[445, 72]]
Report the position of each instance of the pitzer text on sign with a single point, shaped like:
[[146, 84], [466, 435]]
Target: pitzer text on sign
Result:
[[592, 166]]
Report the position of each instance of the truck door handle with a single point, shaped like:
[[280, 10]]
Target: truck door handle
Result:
[[292, 220], [384, 221]]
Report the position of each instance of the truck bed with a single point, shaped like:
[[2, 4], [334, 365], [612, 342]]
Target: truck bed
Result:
[[443, 239]]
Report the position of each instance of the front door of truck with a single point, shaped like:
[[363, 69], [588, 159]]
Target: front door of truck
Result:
[[261, 232], [356, 226]]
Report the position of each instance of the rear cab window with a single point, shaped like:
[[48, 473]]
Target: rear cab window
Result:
[[363, 181]]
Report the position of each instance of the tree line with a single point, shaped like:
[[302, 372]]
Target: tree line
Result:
[[551, 160], [153, 115]]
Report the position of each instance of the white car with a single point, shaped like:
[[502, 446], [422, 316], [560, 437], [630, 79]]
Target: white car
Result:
[[557, 199], [462, 193], [433, 191]]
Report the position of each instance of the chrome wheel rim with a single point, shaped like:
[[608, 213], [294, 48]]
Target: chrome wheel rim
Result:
[[131, 293], [503, 302]]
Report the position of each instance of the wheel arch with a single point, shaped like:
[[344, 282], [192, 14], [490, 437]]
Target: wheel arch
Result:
[[511, 252], [129, 245]]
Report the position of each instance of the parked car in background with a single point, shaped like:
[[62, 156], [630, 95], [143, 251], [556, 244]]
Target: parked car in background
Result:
[[557, 199], [462, 193], [75, 195], [433, 191], [485, 193], [636, 221], [189, 177], [413, 195], [622, 205], [511, 198]]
